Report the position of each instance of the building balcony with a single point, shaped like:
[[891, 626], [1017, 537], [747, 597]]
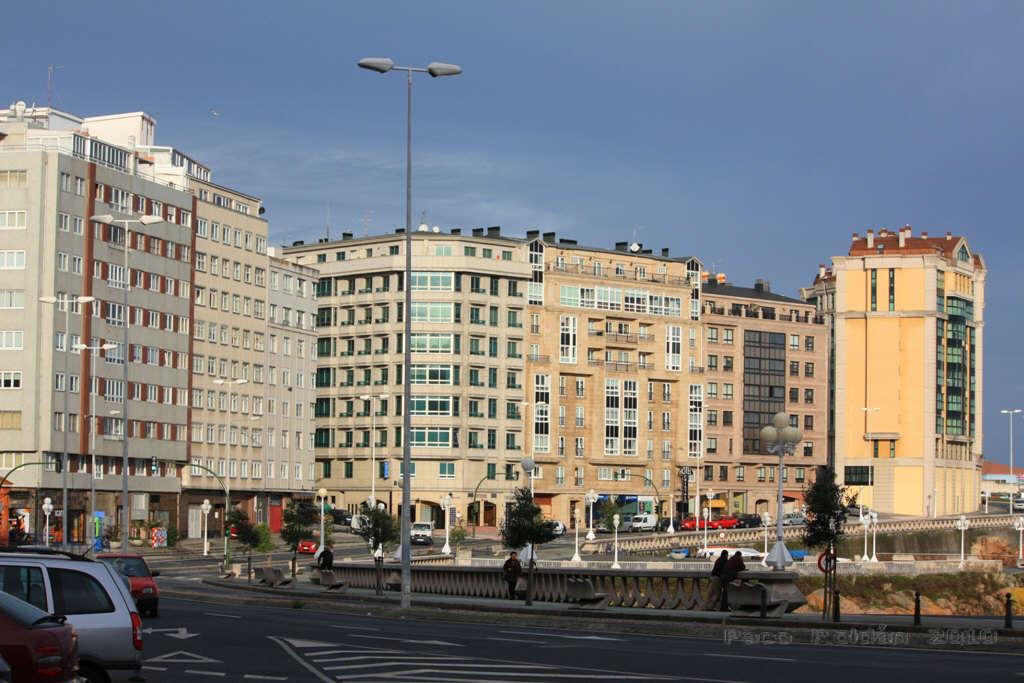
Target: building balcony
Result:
[[538, 358]]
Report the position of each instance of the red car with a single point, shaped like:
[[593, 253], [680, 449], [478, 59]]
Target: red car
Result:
[[140, 580], [724, 522], [308, 547], [38, 647], [690, 524]]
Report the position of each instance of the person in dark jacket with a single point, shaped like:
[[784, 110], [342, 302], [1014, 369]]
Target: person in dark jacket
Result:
[[512, 570], [730, 572], [715, 584], [326, 559]]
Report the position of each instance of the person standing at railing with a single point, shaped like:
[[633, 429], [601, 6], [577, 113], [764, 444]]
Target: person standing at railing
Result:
[[730, 573], [511, 571], [714, 595]]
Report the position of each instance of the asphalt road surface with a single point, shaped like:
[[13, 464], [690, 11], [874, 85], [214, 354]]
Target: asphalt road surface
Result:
[[207, 641]]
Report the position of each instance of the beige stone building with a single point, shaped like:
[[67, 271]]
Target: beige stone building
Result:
[[614, 377], [764, 353], [468, 368]]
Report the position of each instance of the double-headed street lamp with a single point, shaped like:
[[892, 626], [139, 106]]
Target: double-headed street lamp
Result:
[[576, 524], [93, 351], [125, 222], [766, 520], [64, 301], [435, 69], [615, 523], [781, 439]]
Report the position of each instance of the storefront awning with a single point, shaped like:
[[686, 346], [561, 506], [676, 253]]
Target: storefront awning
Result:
[[716, 504], [793, 495]]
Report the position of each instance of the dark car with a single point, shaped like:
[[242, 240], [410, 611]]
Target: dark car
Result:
[[341, 517], [38, 647], [140, 580], [749, 521]]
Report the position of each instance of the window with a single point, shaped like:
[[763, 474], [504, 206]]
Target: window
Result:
[[76, 592], [808, 343], [673, 347], [24, 583], [10, 379], [794, 342], [712, 445], [874, 289], [808, 423], [12, 260], [892, 289], [808, 395], [858, 475], [12, 220], [567, 339], [446, 470], [808, 369], [12, 340], [727, 336]]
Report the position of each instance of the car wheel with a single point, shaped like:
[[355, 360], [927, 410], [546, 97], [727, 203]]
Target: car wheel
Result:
[[91, 673]]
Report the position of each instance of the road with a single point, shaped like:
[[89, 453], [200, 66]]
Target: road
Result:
[[197, 641]]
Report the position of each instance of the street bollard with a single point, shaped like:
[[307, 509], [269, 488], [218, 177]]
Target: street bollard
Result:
[[835, 606], [1008, 617], [764, 601], [917, 608]]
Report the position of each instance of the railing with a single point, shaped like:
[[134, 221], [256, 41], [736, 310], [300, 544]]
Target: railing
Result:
[[668, 588], [538, 358], [610, 274]]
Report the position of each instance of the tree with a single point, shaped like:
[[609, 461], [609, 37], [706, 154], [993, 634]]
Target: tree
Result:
[[524, 526], [608, 510], [245, 532], [296, 528], [826, 517], [380, 531]]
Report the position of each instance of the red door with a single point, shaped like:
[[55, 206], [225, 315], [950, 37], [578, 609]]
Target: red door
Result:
[[275, 518]]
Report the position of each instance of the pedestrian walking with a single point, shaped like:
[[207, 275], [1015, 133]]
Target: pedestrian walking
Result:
[[730, 572], [512, 570], [714, 595], [326, 560]]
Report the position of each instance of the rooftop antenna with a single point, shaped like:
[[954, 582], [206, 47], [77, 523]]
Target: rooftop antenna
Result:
[[49, 82], [367, 216], [327, 224]]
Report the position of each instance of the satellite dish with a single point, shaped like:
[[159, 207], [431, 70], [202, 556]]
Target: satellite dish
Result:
[[424, 227], [436, 229], [635, 247]]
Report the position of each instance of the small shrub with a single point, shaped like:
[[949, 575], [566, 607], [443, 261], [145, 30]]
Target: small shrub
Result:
[[265, 543]]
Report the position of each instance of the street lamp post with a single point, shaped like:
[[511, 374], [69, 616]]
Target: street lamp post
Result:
[[576, 523], [92, 430], [781, 439], [591, 499], [47, 511], [1010, 412], [65, 301], [615, 560], [227, 502], [865, 521], [766, 520], [322, 493], [986, 496], [528, 466], [446, 505], [874, 535], [435, 69], [373, 445], [125, 503], [205, 509], [707, 512], [963, 525], [1018, 524]]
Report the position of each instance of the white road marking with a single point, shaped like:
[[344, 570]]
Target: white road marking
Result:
[[154, 668], [767, 659], [218, 614], [355, 628], [309, 667], [183, 657], [415, 642], [359, 651], [259, 677], [521, 640], [416, 674], [205, 673], [181, 633], [561, 635]]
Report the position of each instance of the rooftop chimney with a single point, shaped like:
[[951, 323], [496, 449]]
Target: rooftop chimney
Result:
[[566, 241], [494, 231], [549, 237], [905, 232], [871, 239], [949, 236], [882, 232], [856, 237], [761, 285], [297, 243], [924, 235], [664, 252], [821, 270]]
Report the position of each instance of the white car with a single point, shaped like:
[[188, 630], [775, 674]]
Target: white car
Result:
[[713, 551], [557, 527], [645, 521], [1018, 504]]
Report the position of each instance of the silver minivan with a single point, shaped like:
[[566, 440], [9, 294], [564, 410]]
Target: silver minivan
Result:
[[93, 598]]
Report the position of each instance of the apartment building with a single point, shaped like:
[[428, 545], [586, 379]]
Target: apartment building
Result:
[[909, 355], [468, 368], [765, 353], [55, 176], [614, 381]]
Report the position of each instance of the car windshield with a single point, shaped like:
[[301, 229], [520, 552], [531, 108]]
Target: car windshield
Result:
[[25, 614], [421, 526], [128, 566]]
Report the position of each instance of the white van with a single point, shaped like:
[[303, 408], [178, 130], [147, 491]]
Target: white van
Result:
[[645, 521]]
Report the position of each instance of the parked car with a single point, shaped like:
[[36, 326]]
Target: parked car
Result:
[[690, 524], [356, 522], [794, 519], [749, 521], [713, 551], [725, 522], [341, 517], [853, 512], [37, 647], [422, 533], [1018, 504], [626, 522], [557, 527], [307, 547], [677, 524], [645, 521], [140, 580], [95, 600]]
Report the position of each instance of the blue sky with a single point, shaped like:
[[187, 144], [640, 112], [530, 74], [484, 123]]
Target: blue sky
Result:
[[755, 135]]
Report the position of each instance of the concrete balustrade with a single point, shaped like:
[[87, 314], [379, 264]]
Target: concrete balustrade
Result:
[[653, 589]]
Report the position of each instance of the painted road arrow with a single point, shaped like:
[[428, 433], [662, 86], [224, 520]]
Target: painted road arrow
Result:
[[181, 633]]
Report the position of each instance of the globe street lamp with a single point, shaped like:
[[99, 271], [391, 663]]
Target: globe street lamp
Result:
[[1018, 524], [528, 466], [874, 535], [435, 69], [446, 505], [591, 499], [576, 524], [205, 509], [865, 521], [963, 525], [64, 301], [47, 511], [322, 493], [615, 523], [707, 512], [781, 439]]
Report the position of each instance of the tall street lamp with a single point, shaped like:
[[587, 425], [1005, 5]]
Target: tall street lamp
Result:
[[446, 505], [435, 69], [1018, 524], [874, 535], [781, 439], [47, 511], [576, 524], [373, 446], [615, 523], [865, 521], [1010, 412], [591, 499], [65, 301], [93, 350], [963, 525], [766, 520], [205, 509], [227, 492], [528, 466], [125, 222], [322, 493]]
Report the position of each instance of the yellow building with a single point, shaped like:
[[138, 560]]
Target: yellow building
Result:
[[909, 315]]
